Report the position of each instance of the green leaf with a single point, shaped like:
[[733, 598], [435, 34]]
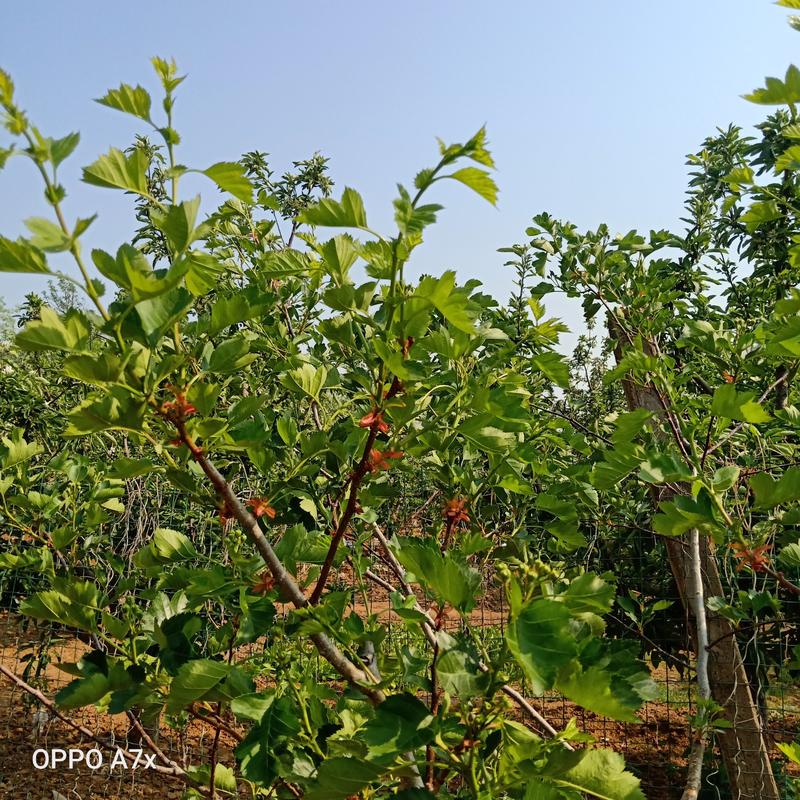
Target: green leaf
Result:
[[475, 149], [725, 478], [401, 723], [177, 223], [588, 593], [252, 706], [453, 304], [195, 679], [131, 467], [47, 235], [777, 91], [5, 154], [50, 332], [541, 640], [598, 773], [83, 692], [15, 450], [553, 366], [789, 159], [739, 175], [760, 213], [231, 355], [129, 99], [629, 425], [308, 379], [117, 410], [61, 149], [770, 493], [339, 254], [610, 680], [340, 777], [789, 556], [618, 462], [479, 180], [791, 750], [21, 256], [727, 402], [227, 311], [98, 369], [258, 753], [684, 513], [132, 270], [345, 213], [70, 602], [158, 314], [286, 263], [115, 170], [487, 437], [167, 72], [166, 547], [458, 667], [445, 576], [231, 177], [664, 468], [203, 273]]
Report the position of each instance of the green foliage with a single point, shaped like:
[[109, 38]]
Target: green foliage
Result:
[[315, 430]]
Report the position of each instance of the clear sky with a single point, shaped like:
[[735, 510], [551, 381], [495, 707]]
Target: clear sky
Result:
[[591, 106]]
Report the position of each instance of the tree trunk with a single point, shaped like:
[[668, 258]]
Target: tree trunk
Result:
[[743, 746]]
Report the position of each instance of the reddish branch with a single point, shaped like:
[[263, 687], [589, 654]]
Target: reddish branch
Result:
[[283, 578], [369, 460], [357, 477]]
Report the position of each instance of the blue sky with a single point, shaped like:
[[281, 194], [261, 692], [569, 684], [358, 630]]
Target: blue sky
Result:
[[590, 107]]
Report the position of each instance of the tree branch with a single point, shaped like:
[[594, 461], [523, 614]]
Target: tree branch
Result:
[[283, 578]]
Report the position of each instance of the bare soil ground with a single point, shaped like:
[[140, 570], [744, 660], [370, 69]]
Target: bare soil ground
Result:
[[655, 748]]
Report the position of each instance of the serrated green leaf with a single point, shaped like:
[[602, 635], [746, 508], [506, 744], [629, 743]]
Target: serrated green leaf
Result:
[[99, 412], [770, 493], [760, 213], [458, 667], [177, 223], [345, 213], [166, 547], [340, 777], [115, 170], [450, 580], [307, 379], [727, 402], [21, 256], [47, 235], [479, 180], [195, 679], [50, 332], [541, 641], [777, 91], [553, 366], [129, 99], [788, 159], [61, 149], [231, 177]]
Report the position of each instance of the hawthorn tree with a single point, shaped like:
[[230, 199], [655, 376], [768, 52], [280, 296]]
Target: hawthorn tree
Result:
[[296, 405]]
